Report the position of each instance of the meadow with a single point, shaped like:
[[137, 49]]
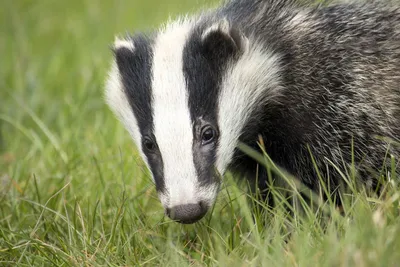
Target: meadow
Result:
[[74, 192]]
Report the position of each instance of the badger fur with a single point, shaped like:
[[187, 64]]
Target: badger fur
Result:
[[315, 82]]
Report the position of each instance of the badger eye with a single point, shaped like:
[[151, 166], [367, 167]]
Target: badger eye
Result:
[[149, 144], [207, 135]]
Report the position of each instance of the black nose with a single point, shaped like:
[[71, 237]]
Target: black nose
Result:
[[188, 213]]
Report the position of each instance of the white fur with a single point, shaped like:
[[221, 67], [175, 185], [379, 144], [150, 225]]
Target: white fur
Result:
[[173, 127], [119, 43], [251, 80], [116, 99], [301, 23]]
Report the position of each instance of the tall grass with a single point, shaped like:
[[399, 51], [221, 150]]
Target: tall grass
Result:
[[73, 191]]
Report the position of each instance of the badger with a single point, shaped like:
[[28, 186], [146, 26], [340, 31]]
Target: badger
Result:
[[318, 83]]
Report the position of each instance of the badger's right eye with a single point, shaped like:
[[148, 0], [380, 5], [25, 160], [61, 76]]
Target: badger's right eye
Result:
[[149, 144]]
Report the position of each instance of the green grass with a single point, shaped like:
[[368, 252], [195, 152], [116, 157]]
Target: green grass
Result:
[[73, 191]]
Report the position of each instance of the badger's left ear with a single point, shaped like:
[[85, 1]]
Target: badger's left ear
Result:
[[221, 40]]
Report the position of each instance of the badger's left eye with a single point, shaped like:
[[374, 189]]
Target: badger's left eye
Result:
[[208, 135]]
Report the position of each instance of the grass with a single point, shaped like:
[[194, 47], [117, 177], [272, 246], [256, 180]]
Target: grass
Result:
[[73, 191]]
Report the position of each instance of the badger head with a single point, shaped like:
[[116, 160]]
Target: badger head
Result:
[[185, 95]]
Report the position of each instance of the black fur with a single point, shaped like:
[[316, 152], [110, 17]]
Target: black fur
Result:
[[203, 64], [336, 62], [135, 70]]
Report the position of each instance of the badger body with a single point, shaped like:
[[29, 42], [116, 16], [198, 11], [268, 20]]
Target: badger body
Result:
[[320, 84]]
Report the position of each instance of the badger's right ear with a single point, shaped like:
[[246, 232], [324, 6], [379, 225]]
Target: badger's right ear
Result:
[[221, 40], [124, 51], [123, 44]]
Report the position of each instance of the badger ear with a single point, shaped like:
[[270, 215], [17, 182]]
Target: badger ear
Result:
[[123, 44], [125, 55], [221, 40]]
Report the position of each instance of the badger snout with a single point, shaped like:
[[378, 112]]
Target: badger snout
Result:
[[187, 213], [186, 200]]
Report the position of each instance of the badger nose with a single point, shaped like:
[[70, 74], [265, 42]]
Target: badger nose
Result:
[[188, 213]]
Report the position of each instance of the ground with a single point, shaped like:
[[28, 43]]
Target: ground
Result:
[[73, 191]]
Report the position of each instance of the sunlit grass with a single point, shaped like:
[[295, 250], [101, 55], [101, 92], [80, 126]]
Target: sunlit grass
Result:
[[74, 192]]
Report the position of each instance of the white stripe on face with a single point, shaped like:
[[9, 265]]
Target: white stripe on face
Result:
[[253, 80], [118, 102], [173, 127]]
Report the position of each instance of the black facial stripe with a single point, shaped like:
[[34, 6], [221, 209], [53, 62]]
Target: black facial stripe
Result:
[[135, 68], [203, 70], [203, 156], [202, 80]]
